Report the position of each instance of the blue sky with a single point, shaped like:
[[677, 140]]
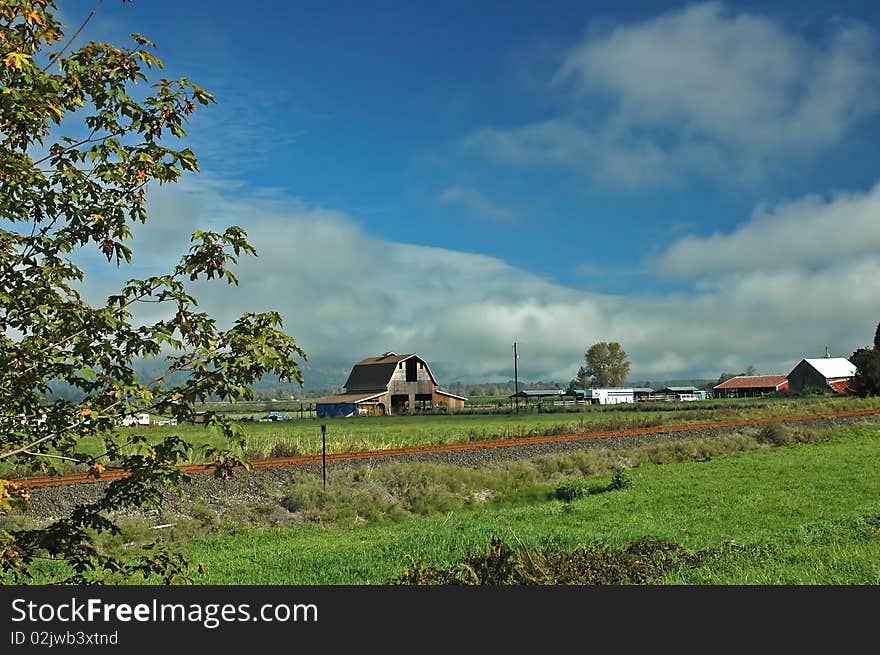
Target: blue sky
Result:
[[694, 180]]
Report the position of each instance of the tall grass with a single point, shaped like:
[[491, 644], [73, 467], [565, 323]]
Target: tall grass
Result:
[[803, 513]]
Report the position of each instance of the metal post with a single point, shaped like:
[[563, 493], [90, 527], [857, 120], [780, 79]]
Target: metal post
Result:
[[324, 453], [515, 377]]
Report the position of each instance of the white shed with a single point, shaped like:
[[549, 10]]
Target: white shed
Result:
[[611, 396]]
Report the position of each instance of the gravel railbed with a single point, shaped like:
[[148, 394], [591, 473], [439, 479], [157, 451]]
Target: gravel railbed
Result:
[[260, 485]]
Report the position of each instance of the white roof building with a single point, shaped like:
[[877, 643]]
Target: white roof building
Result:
[[833, 372], [833, 367]]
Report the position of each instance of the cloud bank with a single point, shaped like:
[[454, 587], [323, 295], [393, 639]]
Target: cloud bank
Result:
[[790, 281]]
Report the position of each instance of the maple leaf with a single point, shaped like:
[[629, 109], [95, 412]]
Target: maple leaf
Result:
[[16, 60]]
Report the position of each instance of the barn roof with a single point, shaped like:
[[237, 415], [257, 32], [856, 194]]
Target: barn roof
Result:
[[681, 389], [443, 392], [833, 367], [752, 382], [523, 393], [354, 397], [376, 372]]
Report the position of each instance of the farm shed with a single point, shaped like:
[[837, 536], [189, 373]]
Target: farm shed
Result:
[[348, 404], [750, 386], [389, 384], [685, 393], [642, 393], [539, 395], [612, 396], [822, 373]]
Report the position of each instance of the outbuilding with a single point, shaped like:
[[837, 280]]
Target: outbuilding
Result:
[[822, 373], [750, 386], [610, 396]]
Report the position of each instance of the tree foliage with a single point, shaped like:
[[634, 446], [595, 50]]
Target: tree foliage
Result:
[[606, 365], [78, 153], [866, 381]]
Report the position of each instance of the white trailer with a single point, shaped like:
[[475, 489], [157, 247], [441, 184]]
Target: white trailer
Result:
[[609, 396]]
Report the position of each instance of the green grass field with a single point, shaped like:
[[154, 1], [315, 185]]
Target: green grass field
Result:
[[303, 437], [294, 437], [803, 514]]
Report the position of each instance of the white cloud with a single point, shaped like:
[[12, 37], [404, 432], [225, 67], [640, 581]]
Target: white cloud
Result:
[[807, 233], [346, 294], [476, 203], [703, 90]]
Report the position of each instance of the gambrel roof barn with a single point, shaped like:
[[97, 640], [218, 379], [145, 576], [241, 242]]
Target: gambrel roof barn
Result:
[[389, 384]]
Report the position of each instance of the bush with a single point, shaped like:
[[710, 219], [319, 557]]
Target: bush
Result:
[[570, 490], [774, 434]]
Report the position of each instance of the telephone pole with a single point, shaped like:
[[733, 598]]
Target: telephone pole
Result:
[[515, 378]]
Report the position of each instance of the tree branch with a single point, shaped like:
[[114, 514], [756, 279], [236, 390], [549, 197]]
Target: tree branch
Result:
[[76, 34]]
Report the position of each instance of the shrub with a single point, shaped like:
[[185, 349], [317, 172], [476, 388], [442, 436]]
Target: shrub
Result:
[[570, 490], [774, 434]]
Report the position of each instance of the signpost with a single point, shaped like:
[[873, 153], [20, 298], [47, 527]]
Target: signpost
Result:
[[324, 453], [515, 377]]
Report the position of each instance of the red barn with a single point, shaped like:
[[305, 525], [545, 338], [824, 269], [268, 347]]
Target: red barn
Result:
[[750, 386]]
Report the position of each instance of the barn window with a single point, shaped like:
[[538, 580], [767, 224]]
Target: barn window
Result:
[[411, 374], [400, 365]]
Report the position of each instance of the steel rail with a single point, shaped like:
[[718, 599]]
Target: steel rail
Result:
[[280, 462]]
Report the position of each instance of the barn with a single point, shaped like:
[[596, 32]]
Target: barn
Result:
[[750, 386], [822, 373], [389, 384]]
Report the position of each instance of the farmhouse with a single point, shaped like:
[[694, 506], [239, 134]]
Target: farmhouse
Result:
[[389, 384], [750, 386], [833, 372]]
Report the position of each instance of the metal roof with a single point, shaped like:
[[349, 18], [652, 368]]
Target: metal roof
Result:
[[839, 385], [355, 397], [539, 392], [376, 372], [833, 367], [681, 389], [443, 392], [752, 382]]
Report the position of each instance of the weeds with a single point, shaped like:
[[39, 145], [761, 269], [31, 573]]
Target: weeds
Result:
[[643, 561], [620, 480]]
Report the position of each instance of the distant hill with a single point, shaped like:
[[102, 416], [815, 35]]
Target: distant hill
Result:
[[326, 377]]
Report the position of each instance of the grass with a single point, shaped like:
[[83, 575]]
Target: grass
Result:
[[797, 514], [303, 437]]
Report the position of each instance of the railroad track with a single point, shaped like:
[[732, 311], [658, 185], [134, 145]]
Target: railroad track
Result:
[[280, 462]]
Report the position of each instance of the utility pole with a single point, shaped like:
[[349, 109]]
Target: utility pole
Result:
[[515, 377]]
